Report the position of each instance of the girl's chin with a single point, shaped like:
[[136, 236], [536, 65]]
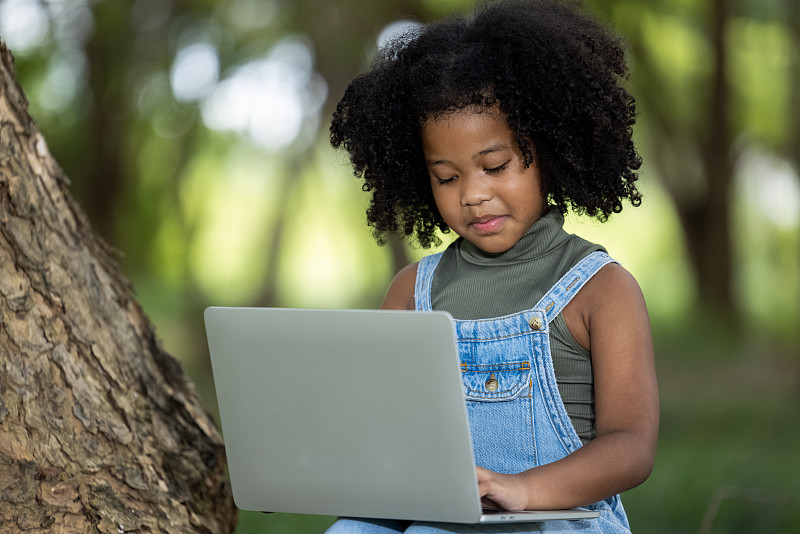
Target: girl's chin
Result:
[[491, 244]]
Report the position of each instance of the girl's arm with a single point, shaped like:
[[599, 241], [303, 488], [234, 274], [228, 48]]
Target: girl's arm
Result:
[[400, 295], [608, 317]]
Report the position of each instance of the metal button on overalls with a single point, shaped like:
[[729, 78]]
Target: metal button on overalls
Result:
[[535, 322]]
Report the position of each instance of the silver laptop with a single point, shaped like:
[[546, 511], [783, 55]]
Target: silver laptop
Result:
[[355, 413]]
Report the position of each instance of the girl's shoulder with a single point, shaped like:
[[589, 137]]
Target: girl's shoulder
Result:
[[612, 284], [611, 299], [400, 295], [613, 287]]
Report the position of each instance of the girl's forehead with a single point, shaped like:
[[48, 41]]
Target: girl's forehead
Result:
[[469, 110], [470, 117], [465, 130]]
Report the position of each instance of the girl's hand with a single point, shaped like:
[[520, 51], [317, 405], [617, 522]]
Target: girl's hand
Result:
[[503, 492]]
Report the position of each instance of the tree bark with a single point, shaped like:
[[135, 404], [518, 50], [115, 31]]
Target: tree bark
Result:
[[100, 430]]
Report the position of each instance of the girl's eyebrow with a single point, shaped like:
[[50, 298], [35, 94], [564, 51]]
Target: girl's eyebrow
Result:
[[493, 148], [488, 150], [433, 163]]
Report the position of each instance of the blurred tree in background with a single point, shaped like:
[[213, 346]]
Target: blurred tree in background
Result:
[[194, 132]]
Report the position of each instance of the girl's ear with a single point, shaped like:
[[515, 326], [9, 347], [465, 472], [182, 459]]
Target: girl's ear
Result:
[[528, 151]]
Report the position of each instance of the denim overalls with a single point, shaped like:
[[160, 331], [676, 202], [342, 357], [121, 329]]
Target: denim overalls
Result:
[[517, 419]]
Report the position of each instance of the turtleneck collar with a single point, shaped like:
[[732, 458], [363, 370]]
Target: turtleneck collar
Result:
[[546, 234]]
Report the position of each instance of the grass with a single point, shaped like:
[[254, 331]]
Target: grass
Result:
[[743, 455]]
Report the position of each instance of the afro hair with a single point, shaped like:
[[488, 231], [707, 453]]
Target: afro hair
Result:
[[555, 74]]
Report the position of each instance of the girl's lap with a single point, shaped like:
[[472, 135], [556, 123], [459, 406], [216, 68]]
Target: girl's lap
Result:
[[388, 526], [367, 526], [604, 525]]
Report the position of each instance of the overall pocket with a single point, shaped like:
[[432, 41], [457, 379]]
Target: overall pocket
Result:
[[497, 355], [498, 381], [497, 376]]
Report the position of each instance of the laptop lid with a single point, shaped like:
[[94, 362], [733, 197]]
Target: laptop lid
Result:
[[343, 412]]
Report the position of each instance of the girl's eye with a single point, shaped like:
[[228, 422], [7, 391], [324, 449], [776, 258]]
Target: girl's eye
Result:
[[441, 181], [495, 170]]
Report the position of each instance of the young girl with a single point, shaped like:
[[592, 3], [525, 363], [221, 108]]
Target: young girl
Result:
[[492, 127]]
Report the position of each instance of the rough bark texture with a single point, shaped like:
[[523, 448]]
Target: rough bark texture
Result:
[[100, 430]]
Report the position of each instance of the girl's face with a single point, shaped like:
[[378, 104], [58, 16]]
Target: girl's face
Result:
[[480, 184]]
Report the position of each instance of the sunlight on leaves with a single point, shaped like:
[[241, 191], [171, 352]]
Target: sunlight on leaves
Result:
[[23, 24], [760, 68], [231, 206], [195, 71], [270, 100]]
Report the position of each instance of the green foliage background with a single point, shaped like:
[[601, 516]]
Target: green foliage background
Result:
[[207, 215]]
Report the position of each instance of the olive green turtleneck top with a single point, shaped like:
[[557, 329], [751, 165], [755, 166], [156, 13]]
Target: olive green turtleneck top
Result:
[[473, 284]]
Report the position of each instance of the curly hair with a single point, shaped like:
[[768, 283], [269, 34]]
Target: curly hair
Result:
[[554, 73]]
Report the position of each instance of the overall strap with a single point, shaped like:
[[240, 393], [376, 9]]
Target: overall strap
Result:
[[422, 286], [568, 286]]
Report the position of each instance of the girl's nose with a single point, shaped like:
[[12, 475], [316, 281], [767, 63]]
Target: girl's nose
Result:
[[474, 190]]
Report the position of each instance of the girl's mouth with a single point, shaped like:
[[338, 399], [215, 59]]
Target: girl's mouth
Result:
[[488, 224]]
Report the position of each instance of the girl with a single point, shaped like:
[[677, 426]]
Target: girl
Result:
[[492, 127]]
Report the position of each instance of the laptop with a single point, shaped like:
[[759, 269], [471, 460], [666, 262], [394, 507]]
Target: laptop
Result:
[[357, 413]]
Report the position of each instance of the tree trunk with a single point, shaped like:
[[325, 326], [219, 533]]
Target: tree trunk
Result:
[[793, 141], [697, 168], [106, 169], [100, 430], [707, 228]]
